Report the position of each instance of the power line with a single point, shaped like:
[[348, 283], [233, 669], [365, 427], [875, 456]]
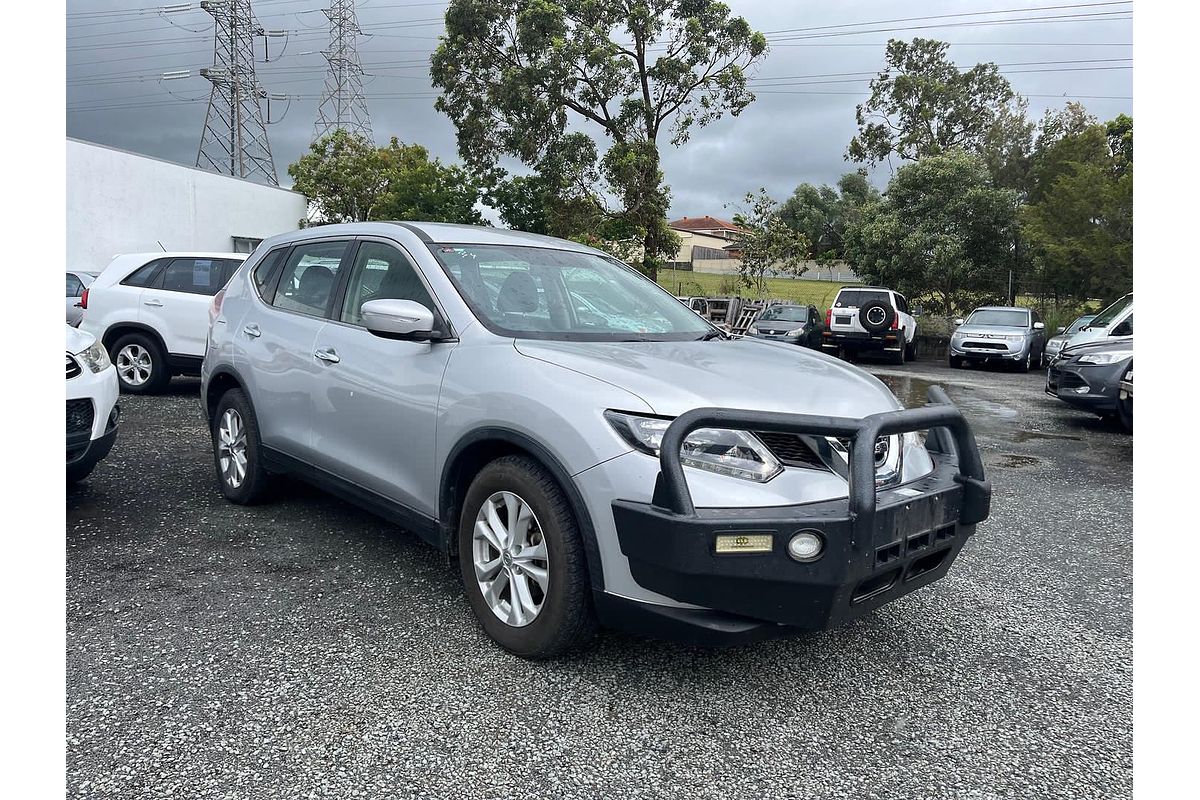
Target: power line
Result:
[[950, 16]]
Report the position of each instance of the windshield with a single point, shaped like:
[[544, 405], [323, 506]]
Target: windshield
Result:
[[1108, 315], [542, 293], [1077, 324], [785, 314], [999, 317], [857, 298]]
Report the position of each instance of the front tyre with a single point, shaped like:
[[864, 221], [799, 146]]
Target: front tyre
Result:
[[522, 562], [237, 450], [956, 362]]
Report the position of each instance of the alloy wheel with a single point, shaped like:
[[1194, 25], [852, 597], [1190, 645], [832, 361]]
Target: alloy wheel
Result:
[[231, 448], [134, 364], [510, 558]]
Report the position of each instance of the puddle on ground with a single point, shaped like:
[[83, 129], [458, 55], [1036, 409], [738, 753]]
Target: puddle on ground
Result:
[[912, 392], [1014, 461], [1025, 436]]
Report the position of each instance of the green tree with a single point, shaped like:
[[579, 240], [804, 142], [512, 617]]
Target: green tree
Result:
[[768, 243], [348, 179], [822, 213], [514, 73], [942, 231], [1079, 222], [921, 104]]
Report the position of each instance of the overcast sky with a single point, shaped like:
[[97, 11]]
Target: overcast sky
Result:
[[797, 130]]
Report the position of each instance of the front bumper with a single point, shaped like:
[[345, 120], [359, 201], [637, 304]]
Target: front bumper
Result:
[[1091, 387], [878, 547], [992, 349]]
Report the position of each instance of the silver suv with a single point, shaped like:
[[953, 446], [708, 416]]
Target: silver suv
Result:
[[584, 445]]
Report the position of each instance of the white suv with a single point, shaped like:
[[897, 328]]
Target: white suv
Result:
[[870, 318], [151, 311], [91, 404]]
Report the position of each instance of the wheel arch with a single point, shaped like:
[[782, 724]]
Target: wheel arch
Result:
[[477, 449], [219, 382], [118, 329]]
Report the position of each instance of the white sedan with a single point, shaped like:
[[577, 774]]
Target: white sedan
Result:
[[91, 404]]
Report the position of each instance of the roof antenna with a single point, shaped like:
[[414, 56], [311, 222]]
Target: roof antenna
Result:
[[160, 247]]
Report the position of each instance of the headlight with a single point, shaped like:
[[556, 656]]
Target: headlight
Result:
[[958, 336], [1105, 358], [795, 332], [96, 358], [738, 454], [1017, 338]]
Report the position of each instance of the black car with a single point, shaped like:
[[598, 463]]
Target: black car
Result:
[[789, 323], [1090, 377]]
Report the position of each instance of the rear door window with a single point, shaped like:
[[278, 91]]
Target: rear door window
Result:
[[308, 278], [197, 275], [74, 285]]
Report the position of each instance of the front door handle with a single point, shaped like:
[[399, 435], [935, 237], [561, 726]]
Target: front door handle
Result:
[[328, 355], [252, 330], [154, 303]]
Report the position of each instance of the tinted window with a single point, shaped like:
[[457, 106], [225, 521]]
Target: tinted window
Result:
[[198, 275], [857, 298], [266, 269], [145, 276], [901, 303], [1125, 328], [381, 272], [74, 286], [308, 277]]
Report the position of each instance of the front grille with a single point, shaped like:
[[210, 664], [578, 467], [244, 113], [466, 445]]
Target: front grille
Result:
[[1070, 380], [79, 415], [73, 367], [790, 449]]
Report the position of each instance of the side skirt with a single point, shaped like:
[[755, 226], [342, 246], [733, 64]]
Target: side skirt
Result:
[[407, 518]]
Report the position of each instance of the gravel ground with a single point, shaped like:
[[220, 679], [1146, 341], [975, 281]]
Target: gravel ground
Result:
[[307, 649]]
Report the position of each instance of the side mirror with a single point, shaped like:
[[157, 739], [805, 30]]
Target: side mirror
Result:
[[958, 321], [1062, 328], [1037, 326], [398, 319]]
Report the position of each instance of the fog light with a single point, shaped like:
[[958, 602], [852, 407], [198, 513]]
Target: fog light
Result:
[[806, 546], [1083, 390]]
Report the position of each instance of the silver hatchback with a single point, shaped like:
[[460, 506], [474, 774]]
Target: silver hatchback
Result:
[[587, 448]]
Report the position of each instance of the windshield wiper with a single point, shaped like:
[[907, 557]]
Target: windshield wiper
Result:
[[713, 334]]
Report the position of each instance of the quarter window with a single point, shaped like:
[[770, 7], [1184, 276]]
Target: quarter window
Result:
[[74, 286], [146, 275], [267, 269], [381, 272], [308, 278]]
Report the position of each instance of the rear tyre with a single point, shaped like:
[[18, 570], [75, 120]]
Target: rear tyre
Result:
[[898, 356], [141, 364], [237, 450], [522, 562], [912, 350]]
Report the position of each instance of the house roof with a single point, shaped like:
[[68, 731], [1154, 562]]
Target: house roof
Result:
[[705, 223]]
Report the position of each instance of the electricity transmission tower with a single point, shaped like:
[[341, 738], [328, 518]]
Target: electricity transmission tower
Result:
[[234, 140], [343, 104]]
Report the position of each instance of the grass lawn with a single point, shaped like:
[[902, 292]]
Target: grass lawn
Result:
[[704, 284]]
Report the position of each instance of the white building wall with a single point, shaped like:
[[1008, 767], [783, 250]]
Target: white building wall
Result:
[[121, 202]]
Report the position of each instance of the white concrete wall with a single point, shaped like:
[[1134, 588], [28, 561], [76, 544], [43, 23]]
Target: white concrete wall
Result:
[[120, 202]]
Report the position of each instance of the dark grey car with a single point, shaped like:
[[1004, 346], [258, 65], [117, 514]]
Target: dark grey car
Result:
[[789, 323]]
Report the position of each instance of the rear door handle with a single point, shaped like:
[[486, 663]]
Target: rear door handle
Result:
[[252, 330], [328, 355], [154, 303]]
